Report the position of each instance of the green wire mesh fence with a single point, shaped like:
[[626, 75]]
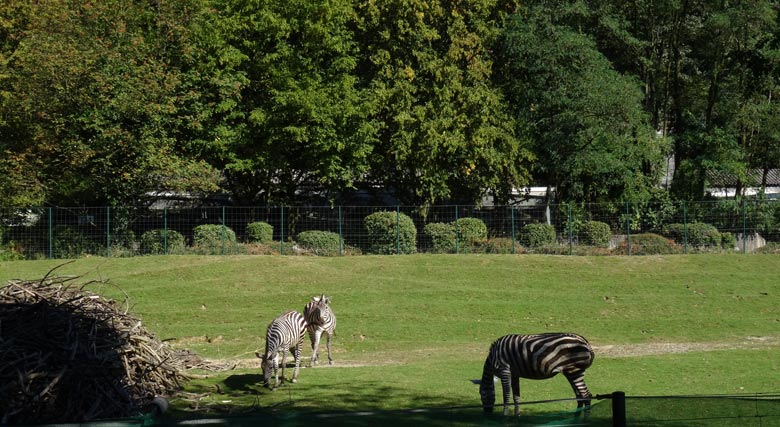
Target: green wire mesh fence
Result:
[[565, 229]]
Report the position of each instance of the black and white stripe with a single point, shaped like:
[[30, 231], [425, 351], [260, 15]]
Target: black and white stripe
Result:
[[321, 319], [537, 357], [285, 332]]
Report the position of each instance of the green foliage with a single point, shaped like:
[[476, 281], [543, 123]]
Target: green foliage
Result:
[[260, 232], [595, 233], [71, 242], [536, 235], [471, 231], [214, 238], [695, 234], [326, 243], [441, 237], [593, 139], [160, 241], [648, 244], [390, 233]]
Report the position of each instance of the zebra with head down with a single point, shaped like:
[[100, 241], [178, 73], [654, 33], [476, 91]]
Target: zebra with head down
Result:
[[538, 357], [285, 332]]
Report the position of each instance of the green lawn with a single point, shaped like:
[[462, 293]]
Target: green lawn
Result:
[[413, 330]]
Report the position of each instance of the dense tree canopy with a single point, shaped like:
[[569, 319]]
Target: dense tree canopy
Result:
[[300, 101]]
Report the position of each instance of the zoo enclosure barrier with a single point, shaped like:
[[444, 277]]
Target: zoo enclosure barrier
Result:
[[611, 410], [566, 229]]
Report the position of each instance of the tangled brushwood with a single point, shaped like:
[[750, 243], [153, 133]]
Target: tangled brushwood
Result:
[[70, 355]]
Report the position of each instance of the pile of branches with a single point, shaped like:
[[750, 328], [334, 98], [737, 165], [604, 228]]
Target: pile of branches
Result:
[[70, 355]]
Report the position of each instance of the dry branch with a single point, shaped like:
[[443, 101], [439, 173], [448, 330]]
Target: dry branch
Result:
[[69, 355]]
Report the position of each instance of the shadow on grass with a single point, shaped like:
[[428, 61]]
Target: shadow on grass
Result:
[[241, 399]]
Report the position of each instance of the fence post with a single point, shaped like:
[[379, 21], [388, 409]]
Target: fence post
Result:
[[281, 231], [571, 234], [512, 210], [618, 409], [628, 228], [222, 238], [51, 234], [108, 231], [744, 226], [457, 231], [685, 228], [341, 236], [165, 231], [397, 230]]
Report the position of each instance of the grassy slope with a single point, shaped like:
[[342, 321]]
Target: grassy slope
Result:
[[422, 324]]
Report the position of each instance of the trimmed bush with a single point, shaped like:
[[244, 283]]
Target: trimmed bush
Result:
[[214, 238], [324, 243], [260, 232], [595, 233], [648, 244], [728, 240], [471, 231], [442, 237], [160, 242], [390, 233], [69, 242], [699, 234], [537, 235]]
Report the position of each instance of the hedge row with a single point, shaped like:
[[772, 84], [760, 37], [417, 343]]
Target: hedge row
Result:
[[393, 232]]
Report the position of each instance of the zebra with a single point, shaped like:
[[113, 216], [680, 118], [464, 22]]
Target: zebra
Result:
[[321, 319], [285, 332], [539, 356]]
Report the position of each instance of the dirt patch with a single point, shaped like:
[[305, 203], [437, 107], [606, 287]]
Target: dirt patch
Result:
[[655, 349], [608, 351]]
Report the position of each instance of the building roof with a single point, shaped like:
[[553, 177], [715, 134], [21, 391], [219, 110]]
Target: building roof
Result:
[[722, 179]]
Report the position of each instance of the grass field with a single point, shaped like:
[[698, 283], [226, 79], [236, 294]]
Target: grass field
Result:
[[413, 330]]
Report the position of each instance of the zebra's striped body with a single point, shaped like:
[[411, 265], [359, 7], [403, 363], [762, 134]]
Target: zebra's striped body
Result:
[[285, 332], [320, 318], [536, 357]]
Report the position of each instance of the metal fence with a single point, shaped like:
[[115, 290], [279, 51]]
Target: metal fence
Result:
[[564, 229]]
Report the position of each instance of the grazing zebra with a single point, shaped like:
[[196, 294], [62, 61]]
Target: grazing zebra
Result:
[[535, 357], [321, 319], [285, 332]]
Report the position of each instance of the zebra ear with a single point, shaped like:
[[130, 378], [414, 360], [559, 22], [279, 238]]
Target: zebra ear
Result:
[[326, 299]]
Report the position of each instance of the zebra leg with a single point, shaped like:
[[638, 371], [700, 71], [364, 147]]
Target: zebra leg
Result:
[[275, 365], [577, 381], [330, 359], [516, 393], [505, 376], [297, 354], [315, 345], [284, 364]]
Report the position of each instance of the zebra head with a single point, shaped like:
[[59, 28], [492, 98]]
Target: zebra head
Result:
[[267, 365], [487, 388]]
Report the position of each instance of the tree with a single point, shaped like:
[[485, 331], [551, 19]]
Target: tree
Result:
[[591, 135], [94, 101], [444, 132], [301, 127]]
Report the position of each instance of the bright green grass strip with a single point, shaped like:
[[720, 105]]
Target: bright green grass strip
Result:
[[417, 328]]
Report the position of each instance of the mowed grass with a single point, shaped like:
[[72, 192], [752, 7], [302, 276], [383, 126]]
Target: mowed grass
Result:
[[413, 330]]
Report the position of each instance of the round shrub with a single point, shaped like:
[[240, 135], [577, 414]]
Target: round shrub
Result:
[[596, 233], [324, 243], [160, 242], [698, 234], [728, 240], [390, 233], [537, 235], [648, 244], [260, 232], [214, 238], [441, 236], [471, 231], [69, 242]]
